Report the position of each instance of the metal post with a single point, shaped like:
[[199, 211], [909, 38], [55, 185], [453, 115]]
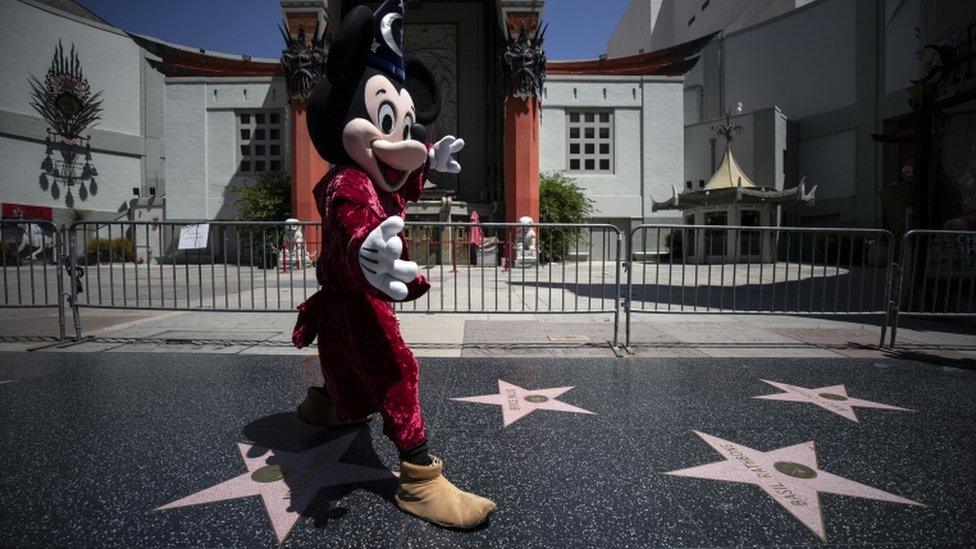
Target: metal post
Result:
[[73, 298], [616, 308]]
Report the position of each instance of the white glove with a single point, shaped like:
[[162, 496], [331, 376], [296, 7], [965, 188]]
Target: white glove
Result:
[[442, 154], [379, 258]]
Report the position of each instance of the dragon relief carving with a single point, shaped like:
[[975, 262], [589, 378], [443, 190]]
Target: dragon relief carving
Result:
[[524, 62], [303, 60]]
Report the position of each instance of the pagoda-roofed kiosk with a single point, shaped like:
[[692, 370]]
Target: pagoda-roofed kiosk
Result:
[[730, 197]]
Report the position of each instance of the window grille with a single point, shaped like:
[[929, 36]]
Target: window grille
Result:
[[259, 141], [590, 143]]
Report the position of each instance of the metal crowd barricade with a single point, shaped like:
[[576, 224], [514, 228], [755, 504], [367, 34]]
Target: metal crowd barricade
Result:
[[758, 270], [246, 266], [936, 276], [493, 268], [192, 265], [31, 259]]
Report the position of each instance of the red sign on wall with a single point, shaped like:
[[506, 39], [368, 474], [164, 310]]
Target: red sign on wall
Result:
[[26, 211]]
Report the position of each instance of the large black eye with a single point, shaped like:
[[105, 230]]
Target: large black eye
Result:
[[387, 117], [407, 125]]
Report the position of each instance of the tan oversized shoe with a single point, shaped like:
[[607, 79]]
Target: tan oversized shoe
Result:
[[317, 410], [425, 492]]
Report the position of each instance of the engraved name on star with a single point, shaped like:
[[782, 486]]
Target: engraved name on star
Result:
[[789, 475], [833, 398], [287, 482], [517, 402]]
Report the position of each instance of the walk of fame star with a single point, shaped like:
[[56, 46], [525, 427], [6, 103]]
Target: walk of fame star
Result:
[[517, 402], [833, 398], [287, 482], [789, 475]]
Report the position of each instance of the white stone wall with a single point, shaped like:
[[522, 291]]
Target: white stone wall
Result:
[[21, 168], [202, 146], [657, 24], [827, 161], [113, 64], [803, 63], [109, 59], [647, 140], [759, 149]]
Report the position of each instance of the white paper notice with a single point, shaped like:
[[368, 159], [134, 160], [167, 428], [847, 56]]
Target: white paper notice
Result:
[[194, 237]]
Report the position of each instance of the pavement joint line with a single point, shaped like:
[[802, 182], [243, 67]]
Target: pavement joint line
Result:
[[161, 316]]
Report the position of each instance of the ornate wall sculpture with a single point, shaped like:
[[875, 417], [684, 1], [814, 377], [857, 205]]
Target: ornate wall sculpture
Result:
[[303, 60], [437, 46], [65, 101], [524, 62]]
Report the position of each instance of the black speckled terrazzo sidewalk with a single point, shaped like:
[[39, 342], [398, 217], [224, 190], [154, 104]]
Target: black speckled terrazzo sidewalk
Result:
[[204, 450]]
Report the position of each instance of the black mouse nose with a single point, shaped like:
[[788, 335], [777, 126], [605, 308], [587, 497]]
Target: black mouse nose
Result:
[[418, 133]]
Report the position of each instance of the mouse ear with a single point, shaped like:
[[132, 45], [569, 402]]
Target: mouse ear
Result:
[[347, 56], [423, 89]]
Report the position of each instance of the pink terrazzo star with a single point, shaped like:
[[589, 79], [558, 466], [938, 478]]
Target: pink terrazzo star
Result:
[[517, 402], [287, 482], [789, 475], [832, 398]]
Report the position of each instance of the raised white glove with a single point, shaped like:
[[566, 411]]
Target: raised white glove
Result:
[[442, 154], [379, 258]]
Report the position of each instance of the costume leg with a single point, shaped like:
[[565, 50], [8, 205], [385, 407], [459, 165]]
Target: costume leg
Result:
[[368, 368], [397, 390]]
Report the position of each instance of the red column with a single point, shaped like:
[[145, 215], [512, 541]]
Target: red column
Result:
[[521, 158], [307, 167]]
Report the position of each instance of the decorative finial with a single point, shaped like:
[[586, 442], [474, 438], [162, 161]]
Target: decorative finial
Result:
[[728, 130]]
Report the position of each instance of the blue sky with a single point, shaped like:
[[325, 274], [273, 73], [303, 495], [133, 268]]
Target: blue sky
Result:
[[576, 29]]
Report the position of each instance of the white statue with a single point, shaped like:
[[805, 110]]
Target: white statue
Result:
[[294, 252], [526, 252]]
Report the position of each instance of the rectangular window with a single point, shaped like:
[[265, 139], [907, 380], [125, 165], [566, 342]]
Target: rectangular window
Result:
[[590, 143], [259, 140]]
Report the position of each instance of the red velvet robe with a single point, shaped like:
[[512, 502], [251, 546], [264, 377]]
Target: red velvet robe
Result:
[[366, 365]]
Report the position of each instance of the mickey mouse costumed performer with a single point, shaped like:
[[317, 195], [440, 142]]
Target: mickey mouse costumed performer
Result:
[[366, 119]]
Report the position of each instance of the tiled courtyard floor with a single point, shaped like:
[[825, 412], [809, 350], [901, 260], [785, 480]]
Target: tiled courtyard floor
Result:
[[163, 449]]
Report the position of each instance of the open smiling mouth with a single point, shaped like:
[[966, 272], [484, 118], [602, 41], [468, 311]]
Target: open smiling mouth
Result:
[[392, 175]]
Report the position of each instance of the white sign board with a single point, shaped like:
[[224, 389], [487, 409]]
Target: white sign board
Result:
[[194, 237]]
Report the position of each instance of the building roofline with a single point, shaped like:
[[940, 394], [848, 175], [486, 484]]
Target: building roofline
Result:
[[97, 23], [179, 60], [673, 61]]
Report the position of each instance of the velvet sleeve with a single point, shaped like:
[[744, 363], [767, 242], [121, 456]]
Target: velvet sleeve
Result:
[[355, 220]]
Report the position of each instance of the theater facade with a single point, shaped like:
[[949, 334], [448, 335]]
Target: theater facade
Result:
[[167, 131]]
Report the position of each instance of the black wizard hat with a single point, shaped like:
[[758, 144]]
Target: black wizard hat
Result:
[[386, 51]]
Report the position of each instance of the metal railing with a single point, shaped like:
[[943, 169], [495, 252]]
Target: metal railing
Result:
[[936, 276], [758, 270], [252, 266], [507, 268], [31, 259], [574, 268], [194, 266]]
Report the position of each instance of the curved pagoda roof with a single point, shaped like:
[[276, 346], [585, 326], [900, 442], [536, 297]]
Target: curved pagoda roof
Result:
[[729, 184], [728, 175]]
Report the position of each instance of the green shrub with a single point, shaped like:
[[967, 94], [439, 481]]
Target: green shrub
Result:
[[115, 249], [268, 198], [560, 201]]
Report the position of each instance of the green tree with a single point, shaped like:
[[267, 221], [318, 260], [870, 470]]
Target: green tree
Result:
[[268, 198], [560, 201]]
